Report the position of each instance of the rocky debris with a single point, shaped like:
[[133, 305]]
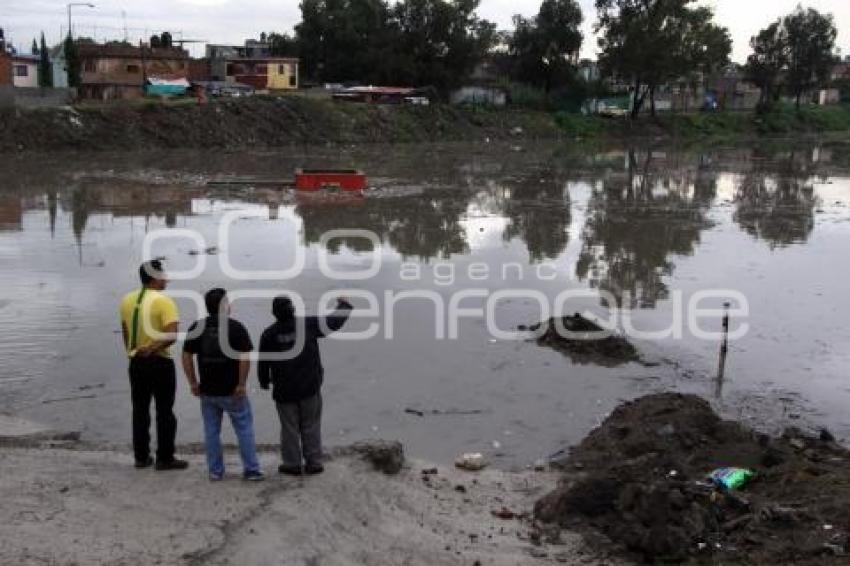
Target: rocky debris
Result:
[[385, 456], [585, 342], [640, 480]]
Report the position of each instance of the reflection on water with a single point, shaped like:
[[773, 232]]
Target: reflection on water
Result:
[[637, 223], [775, 200], [639, 219]]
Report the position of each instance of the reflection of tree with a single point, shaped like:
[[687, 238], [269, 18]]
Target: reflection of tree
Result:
[[635, 223], [778, 204], [423, 227], [539, 214]]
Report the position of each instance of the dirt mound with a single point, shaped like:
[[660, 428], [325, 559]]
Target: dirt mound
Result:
[[579, 344], [640, 479]]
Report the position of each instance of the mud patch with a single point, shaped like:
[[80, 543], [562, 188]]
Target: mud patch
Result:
[[640, 480], [579, 344]]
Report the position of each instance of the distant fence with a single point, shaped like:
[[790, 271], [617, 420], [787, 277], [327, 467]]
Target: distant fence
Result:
[[35, 97]]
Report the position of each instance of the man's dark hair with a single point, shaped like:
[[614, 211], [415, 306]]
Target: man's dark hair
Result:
[[213, 300], [150, 270], [282, 308]]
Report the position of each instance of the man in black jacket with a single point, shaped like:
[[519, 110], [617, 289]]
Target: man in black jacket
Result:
[[297, 381]]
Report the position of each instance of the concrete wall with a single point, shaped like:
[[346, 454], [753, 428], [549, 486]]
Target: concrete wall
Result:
[[481, 96], [7, 96], [60, 73], [34, 97]]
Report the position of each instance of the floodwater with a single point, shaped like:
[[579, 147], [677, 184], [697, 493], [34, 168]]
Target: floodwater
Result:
[[494, 228]]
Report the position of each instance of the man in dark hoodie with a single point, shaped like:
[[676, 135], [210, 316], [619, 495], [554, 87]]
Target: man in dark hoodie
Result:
[[297, 381]]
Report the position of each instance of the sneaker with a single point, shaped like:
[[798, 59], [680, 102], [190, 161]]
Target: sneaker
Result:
[[173, 464], [289, 470], [253, 476], [141, 464], [216, 477], [314, 469]]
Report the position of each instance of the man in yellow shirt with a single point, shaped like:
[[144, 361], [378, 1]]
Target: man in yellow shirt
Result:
[[149, 322]]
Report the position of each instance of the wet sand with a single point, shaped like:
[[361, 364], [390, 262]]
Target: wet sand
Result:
[[89, 506]]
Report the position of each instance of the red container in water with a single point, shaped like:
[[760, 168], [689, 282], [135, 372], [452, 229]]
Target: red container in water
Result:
[[342, 179]]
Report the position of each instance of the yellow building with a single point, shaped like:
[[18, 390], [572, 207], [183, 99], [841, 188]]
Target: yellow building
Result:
[[266, 73], [283, 74]]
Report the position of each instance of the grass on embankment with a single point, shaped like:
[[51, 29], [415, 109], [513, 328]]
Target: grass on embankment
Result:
[[782, 120]]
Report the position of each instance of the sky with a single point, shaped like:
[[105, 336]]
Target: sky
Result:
[[233, 21]]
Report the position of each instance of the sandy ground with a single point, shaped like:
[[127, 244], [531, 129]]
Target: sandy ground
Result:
[[82, 505]]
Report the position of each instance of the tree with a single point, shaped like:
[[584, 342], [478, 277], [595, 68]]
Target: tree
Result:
[[543, 47], [165, 40], [651, 42], [767, 62], [34, 48], [280, 44], [345, 40], [414, 42], [45, 69], [811, 50], [72, 62], [441, 41]]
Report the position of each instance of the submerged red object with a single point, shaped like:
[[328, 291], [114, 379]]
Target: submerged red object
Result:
[[342, 179]]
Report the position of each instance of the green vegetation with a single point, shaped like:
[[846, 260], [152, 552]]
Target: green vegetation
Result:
[[780, 120]]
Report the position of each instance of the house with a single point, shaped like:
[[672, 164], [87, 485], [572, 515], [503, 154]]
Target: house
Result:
[[252, 65], [121, 71], [25, 71]]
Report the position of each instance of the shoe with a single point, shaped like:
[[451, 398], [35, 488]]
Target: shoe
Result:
[[314, 469], [142, 464], [216, 478], [253, 476], [289, 470], [173, 464]]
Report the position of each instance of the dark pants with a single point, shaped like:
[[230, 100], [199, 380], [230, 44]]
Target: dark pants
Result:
[[301, 431], [153, 378]]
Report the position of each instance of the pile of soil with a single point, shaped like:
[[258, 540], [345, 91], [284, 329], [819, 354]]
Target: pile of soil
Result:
[[580, 346], [640, 480]]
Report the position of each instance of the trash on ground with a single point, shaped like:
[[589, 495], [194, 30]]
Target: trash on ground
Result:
[[731, 479], [471, 462]]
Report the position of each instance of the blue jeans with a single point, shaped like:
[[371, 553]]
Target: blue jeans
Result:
[[239, 411]]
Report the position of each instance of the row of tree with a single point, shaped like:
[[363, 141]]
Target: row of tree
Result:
[[795, 53], [644, 44]]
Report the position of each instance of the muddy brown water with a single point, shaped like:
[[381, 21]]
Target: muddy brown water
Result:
[[652, 228]]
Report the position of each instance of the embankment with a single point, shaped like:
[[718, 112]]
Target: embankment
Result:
[[281, 121], [257, 122]]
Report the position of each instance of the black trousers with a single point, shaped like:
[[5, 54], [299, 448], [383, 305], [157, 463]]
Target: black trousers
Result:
[[153, 378]]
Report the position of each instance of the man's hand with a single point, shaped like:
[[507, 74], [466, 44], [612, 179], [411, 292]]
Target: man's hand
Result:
[[240, 392], [196, 389], [144, 351]]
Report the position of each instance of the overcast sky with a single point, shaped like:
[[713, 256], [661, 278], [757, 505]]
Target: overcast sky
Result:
[[232, 21]]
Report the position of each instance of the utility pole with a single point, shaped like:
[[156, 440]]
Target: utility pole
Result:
[[72, 5]]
